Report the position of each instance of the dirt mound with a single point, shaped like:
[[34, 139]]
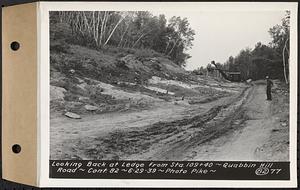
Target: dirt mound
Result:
[[107, 67]]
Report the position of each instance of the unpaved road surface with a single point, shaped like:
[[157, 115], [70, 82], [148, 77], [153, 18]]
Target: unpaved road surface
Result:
[[252, 139], [239, 127]]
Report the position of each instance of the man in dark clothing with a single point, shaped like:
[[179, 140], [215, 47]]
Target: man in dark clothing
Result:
[[269, 87]]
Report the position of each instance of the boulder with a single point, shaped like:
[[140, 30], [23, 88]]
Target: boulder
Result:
[[129, 61], [57, 93], [181, 102], [284, 124], [80, 81], [249, 80], [91, 108], [78, 89], [72, 115], [82, 86], [84, 99], [72, 71]]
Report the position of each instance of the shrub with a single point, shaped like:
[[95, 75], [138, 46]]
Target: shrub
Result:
[[144, 53], [156, 66], [59, 46], [71, 97], [94, 90], [122, 64]]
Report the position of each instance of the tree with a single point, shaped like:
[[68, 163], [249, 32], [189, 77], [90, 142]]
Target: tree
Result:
[[130, 29], [180, 37], [95, 26], [263, 60], [182, 33], [160, 40], [280, 38], [257, 63], [244, 62], [199, 71]]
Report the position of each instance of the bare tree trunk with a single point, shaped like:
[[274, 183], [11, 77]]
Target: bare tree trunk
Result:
[[86, 23], [134, 44], [283, 59], [123, 35], [61, 16], [103, 22], [94, 27], [167, 47], [112, 32], [105, 27], [289, 69], [140, 38], [173, 47], [97, 28], [124, 44]]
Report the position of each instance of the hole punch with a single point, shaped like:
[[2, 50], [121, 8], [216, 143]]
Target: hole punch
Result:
[[15, 46], [16, 148]]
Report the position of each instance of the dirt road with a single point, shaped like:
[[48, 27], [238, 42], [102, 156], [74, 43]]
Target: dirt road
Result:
[[69, 137], [254, 138], [239, 127]]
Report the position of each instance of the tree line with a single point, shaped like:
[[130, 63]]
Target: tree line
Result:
[[263, 60], [130, 29]]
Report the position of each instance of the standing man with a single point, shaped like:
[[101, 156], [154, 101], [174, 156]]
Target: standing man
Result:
[[269, 87]]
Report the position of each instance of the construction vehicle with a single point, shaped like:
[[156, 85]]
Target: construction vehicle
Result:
[[233, 76]]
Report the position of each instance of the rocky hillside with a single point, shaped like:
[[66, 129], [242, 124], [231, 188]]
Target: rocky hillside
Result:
[[87, 80]]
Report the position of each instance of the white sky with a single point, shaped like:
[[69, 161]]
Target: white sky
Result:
[[222, 34]]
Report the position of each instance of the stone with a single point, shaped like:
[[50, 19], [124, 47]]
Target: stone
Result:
[[80, 80], [83, 98], [72, 71], [249, 80], [284, 124], [82, 86], [91, 108], [57, 93], [72, 115]]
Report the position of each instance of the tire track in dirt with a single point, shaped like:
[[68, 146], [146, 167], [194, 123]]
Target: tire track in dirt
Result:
[[166, 140], [223, 121], [252, 139]]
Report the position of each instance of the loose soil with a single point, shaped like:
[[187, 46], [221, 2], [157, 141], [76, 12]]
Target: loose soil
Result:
[[240, 126]]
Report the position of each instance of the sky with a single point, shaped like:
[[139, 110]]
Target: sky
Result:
[[219, 35]]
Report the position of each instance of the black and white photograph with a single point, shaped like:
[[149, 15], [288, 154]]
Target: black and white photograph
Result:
[[150, 94], [146, 85], [149, 91], [154, 86]]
